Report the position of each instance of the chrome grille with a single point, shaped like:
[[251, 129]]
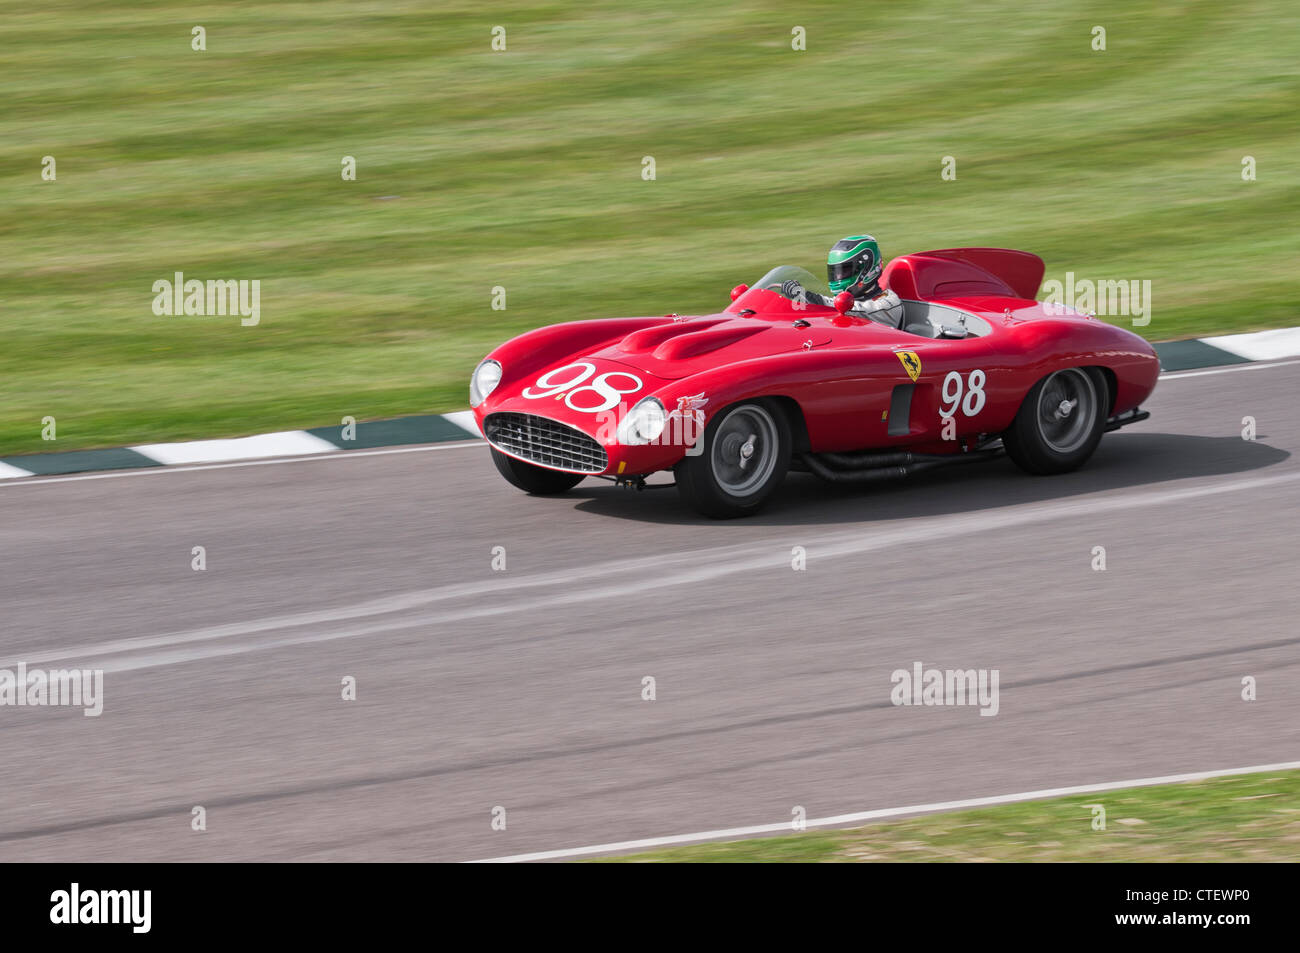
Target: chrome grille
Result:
[[545, 442]]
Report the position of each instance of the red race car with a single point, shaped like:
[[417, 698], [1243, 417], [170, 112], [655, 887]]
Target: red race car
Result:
[[731, 401]]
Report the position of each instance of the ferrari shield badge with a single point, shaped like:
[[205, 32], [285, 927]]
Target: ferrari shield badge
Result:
[[911, 364]]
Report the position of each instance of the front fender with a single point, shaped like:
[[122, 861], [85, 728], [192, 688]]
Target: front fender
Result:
[[524, 355]]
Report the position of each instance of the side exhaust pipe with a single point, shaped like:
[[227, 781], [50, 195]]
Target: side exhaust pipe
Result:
[[1123, 420], [891, 469]]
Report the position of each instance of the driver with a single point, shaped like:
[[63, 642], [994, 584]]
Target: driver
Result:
[[854, 265]]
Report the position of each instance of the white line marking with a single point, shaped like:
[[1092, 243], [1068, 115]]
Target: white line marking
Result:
[[631, 579], [731, 833], [1259, 345], [341, 455], [287, 443], [8, 472], [1231, 369]]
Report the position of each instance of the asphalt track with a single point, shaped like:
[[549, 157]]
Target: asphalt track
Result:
[[523, 689]]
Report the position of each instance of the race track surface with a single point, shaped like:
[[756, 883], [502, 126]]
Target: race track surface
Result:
[[523, 688]]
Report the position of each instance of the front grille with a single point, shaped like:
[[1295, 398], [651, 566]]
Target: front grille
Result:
[[545, 442]]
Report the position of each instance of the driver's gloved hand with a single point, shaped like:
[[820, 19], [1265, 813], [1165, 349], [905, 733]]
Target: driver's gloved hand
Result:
[[793, 290]]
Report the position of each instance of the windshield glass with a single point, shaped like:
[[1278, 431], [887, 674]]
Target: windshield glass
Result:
[[773, 280]]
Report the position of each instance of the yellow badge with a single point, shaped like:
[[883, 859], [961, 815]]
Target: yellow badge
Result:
[[911, 364]]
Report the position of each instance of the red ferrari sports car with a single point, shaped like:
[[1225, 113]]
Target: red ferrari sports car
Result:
[[731, 401]]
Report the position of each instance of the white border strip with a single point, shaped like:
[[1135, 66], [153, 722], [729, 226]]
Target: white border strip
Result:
[[150, 471], [1230, 369], [259, 448], [464, 419], [1259, 345], [287, 443], [732, 833]]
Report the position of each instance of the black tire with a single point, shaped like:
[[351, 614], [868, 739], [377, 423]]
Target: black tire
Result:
[[538, 481], [745, 456], [1048, 436]]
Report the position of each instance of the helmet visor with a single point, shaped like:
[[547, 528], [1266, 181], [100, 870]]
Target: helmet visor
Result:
[[844, 270]]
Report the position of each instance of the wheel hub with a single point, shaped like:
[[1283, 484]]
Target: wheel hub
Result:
[[1067, 410], [747, 450], [743, 454]]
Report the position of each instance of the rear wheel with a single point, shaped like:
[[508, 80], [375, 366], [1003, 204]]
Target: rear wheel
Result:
[[746, 452], [536, 480], [1060, 422]]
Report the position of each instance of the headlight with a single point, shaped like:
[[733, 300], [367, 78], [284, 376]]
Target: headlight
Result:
[[484, 381], [643, 423]]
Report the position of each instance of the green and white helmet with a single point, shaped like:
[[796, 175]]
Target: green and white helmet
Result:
[[853, 265]]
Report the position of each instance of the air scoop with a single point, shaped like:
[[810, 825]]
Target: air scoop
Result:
[[647, 339], [691, 345]]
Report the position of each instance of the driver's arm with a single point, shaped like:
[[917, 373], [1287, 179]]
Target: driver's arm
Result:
[[797, 292]]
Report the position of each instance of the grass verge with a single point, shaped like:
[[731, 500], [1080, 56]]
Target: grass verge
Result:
[[522, 169], [1253, 817]]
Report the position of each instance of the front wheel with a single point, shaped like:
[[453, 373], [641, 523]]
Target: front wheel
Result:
[[744, 458], [1060, 422], [538, 481]]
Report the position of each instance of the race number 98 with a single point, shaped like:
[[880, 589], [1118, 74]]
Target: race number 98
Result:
[[953, 388], [603, 393]]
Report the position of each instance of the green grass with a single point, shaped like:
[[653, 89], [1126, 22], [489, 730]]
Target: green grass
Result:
[[1252, 817], [523, 169]]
